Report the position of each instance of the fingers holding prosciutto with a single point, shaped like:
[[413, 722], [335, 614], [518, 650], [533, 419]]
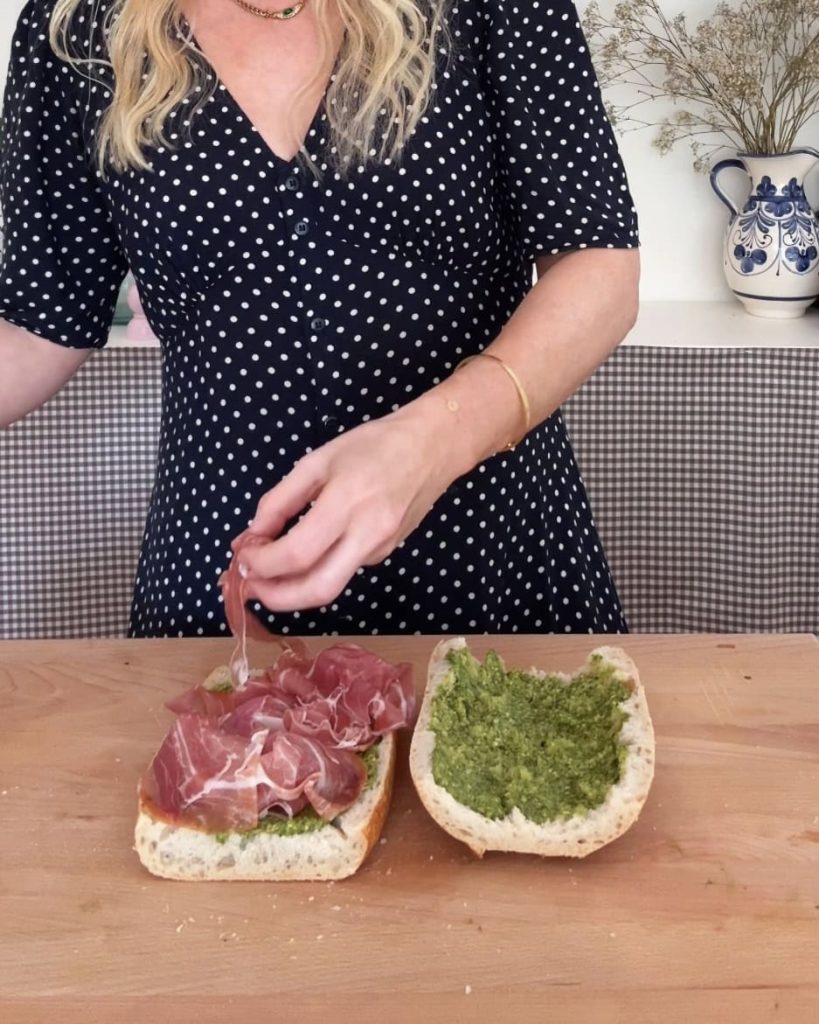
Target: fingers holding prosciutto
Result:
[[361, 495]]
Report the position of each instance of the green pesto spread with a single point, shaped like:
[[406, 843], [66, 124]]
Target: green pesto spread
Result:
[[506, 739], [307, 820]]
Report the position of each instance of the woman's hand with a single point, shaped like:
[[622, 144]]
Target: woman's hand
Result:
[[369, 488]]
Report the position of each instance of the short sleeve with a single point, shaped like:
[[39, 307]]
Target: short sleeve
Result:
[[559, 158], [62, 265]]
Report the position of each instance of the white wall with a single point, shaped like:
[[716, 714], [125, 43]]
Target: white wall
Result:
[[681, 219]]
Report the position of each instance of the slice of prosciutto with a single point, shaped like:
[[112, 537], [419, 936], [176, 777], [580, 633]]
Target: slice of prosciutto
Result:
[[347, 697], [267, 712], [242, 622], [206, 777], [297, 767], [202, 700]]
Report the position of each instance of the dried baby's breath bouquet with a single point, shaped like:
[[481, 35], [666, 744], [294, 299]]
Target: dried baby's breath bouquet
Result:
[[747, 77]]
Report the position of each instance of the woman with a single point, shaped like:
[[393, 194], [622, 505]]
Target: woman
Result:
[[326, 212]]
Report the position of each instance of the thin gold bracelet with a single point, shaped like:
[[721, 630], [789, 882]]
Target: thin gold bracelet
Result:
[[524, 400]]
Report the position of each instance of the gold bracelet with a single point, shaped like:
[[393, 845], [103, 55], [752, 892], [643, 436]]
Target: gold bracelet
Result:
[[524, 400]]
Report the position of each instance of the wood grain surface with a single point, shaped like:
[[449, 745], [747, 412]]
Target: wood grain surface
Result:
[[707, 910]]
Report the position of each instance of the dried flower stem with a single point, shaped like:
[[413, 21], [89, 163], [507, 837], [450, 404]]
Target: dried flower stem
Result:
[[747, 77]]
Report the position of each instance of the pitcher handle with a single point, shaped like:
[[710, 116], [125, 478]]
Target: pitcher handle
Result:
[[716, 170]]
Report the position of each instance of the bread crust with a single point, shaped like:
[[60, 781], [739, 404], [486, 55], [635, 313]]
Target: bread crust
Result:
[[573, 837], [336, 851]]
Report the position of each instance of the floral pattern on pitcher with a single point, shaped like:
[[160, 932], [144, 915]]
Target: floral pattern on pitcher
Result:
[[779, 224]]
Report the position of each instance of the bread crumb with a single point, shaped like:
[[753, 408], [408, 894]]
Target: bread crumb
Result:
[[612, 935], [319, 937], [468, 990], [336, 907], [382, 841], [310, 899], [179, 927]]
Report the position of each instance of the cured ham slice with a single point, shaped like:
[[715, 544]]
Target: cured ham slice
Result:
[[373, 689], [266, 712], [242, 622], [205, 776], [331, 780], [347, 697], [329, 721]]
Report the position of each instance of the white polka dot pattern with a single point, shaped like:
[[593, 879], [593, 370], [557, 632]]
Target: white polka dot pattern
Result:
[[290, 309], [561, 164], [62, 263]]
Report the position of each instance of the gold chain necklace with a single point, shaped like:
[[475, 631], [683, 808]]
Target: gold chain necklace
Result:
[[282, 15]]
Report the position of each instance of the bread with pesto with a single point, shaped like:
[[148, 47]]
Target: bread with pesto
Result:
[[326, 851], [587, 782]]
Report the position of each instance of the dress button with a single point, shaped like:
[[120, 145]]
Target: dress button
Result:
[[292, 182], [302, 227], [317, 323], [330, 422]]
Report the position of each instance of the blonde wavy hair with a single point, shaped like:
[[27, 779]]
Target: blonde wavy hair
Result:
[[387, 60]]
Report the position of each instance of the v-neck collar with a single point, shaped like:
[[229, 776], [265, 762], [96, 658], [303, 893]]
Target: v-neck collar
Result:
[[311, 130], [318, 115]]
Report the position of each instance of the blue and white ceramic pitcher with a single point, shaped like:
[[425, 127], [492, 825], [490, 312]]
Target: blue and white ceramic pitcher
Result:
[[771, 254]]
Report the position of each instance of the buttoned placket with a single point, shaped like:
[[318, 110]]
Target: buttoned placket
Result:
[[301, 226]]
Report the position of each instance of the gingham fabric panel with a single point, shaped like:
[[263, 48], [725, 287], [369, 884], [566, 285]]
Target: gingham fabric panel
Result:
[[702, 466]]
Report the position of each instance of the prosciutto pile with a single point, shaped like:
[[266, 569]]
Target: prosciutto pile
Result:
[[277, 741], [281, 740]]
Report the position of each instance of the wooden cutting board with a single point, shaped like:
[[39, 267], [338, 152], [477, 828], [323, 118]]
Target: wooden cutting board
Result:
[[706, 911]]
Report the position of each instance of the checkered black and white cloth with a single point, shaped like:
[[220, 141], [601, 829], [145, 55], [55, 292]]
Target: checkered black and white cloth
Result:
[[76, 482], [702, 466]]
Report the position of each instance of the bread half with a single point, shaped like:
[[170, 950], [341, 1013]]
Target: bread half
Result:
[[335, 851], [568, 837]]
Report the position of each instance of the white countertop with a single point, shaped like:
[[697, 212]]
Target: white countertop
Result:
[[719, 325], [676, 324]]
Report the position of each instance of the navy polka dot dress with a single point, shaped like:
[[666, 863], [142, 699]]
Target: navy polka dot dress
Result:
[[290, 309]]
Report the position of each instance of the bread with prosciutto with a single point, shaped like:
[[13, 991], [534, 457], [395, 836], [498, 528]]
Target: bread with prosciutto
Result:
[[286, 776], [554, 764]]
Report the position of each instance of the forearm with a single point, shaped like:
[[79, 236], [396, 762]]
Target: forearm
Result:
[[557, 337], [33, 370]]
